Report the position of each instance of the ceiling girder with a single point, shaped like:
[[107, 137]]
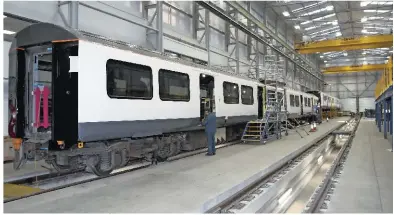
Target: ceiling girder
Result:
[[367, 42]]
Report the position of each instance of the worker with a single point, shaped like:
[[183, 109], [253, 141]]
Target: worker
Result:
[[209, 122]]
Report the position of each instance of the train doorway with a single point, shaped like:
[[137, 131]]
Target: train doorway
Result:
[[207, 97], [260, 98], [302, 105]]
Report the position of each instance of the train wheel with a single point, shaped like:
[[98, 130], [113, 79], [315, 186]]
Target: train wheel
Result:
[[93, 165]]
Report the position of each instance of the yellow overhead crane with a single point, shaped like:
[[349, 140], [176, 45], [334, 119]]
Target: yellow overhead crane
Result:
[[345, 44], [351, 69]]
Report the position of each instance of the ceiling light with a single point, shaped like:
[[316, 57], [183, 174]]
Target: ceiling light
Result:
[[335, 22], [391, 51], [376, 11], [329, 8], [364, 19], [321, 56], [364, 3], [338, 34], [364, 31], [345, 54], [325, 61], [365, 62], [364, 53], [285, 13], [8, 32], [297, 27], [4, 16], [306, 22], [387, 57]]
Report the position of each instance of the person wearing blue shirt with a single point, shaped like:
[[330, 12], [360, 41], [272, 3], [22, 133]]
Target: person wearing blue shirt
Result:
[[210, 129]]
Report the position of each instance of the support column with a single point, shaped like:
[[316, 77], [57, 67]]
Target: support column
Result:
[[391, 117], [159, 25], [73, 14], [207, 35], [385, 119]]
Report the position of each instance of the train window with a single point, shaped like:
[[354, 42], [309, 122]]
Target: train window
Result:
[[305, 101], [247, 95], [292, 100], [297, 101], [128, 80], [173, 86], [309, 102], [230, 93], [280, 98]]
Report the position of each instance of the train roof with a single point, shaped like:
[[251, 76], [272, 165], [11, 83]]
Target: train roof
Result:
[[41, 33]]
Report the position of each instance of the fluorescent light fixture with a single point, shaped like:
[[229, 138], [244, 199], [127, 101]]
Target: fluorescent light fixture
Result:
[[8, 32], [386, 61], [321, 56], [306, 22], [391, 51], [297, 27], [364, 53], [364, 3], [365, 62], [335, 22], [345, 54], [338, 34], [330, 8], [364, 31], [325, 61], [376, 11], [364, 19], [285, 13], [387, 57]]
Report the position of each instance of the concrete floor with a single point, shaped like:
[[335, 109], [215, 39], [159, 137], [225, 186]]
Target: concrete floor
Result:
[[30, 169], [187, 185], [366, 184]]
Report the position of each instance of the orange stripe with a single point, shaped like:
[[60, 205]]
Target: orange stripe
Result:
[[64, 41], [20, 49]]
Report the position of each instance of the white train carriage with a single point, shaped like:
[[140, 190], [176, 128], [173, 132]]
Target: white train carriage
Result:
[[112, 102]]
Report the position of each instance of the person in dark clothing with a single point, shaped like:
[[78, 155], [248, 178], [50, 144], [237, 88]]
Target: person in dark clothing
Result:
[[210, 129]]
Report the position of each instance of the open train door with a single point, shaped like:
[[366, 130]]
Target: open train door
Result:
[[260, 102]]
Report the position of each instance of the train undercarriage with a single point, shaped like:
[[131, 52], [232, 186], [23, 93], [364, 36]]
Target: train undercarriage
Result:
[[101, 158]]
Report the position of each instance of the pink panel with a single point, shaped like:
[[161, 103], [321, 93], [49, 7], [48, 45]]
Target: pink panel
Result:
[[45, 94], [37, 99]]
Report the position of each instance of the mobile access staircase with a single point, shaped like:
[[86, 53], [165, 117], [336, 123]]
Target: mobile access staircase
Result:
[[274, 120]]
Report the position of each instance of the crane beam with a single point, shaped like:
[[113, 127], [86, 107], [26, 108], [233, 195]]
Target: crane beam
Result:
[[345, 44], [351, 69]]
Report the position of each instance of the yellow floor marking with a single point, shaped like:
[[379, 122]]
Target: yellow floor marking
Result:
[[14, 190]]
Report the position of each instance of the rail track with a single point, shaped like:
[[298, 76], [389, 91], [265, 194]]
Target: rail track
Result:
[[56, 181], [277, 191]]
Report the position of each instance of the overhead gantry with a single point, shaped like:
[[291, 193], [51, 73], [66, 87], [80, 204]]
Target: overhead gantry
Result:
[[356, 68], [345, 44]]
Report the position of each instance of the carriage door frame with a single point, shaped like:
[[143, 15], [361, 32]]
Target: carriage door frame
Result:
[[208, 102], [260, 102], [64, 96], [302, 104]]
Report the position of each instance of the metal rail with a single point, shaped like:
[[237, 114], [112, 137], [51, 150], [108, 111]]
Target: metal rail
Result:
[[319, 198], [277, 172]]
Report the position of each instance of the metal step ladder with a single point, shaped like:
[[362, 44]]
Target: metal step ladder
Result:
[[270, 127]]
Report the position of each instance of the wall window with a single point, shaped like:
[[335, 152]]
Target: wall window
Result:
[[128, 80], [230, 93], [297, 101], [247, 95], [292, 100], [309, 102], [173, 86]]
